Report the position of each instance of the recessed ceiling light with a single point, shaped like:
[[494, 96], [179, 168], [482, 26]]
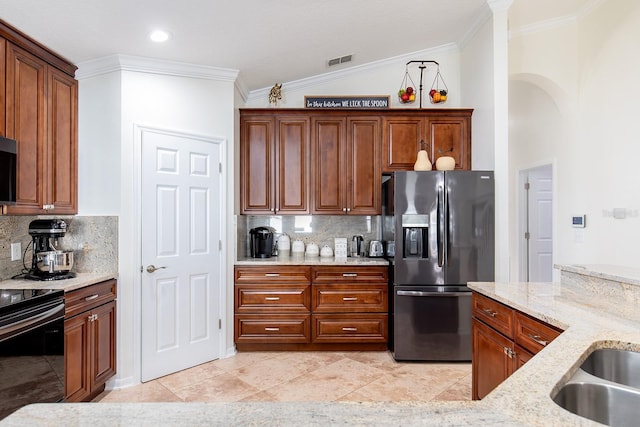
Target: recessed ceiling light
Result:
[[159, 36]]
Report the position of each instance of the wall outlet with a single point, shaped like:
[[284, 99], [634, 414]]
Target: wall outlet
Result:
[[16, 251]]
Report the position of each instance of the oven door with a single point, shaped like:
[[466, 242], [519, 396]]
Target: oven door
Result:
[[32, 355]]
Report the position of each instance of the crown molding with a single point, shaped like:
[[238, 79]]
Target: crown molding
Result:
[[309, 82], [482, 18], [116, 63], [558, 22]]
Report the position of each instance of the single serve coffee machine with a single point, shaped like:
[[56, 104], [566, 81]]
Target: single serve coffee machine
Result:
[[49, 263]]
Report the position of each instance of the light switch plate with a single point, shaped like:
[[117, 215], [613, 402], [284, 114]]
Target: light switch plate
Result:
[[16, 250]]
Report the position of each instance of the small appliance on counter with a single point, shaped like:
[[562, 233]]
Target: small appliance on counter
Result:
[[49, 263], [261, 242], [376, 249], [357, 246]]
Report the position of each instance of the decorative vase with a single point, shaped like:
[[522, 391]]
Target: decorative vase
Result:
[[445, 163], [422, 163]]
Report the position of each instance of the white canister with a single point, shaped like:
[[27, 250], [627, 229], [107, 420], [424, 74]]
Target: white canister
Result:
[[312, 250], [326, 251], [297, 247], [284, 243]]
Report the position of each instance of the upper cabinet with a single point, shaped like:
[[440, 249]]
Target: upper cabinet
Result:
[[40, 113], [444, 133], [274, 158], [300, 161]]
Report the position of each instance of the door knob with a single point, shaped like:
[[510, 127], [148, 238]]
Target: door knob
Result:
[[152, 268]]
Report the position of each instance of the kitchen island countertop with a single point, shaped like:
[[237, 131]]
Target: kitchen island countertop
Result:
[[596, 306]]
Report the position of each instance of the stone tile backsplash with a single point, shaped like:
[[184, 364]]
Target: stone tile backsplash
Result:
[[94, 240], [320, 229]]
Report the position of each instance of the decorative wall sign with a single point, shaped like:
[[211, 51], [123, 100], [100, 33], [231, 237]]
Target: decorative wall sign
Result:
[[368, 101]]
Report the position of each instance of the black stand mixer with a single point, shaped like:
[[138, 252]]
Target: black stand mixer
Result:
[[49, 263]]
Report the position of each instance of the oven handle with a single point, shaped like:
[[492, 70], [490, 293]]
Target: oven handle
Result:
[[430, 294], [33, 321]]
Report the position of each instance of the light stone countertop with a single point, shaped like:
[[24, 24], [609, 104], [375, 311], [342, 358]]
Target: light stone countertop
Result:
[[317, 260], [594, 313], [80, 281]]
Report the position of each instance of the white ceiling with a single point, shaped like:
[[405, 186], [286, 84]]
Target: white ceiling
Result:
[[266, 40]]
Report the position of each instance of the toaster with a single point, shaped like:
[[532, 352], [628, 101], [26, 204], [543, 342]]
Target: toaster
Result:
[[376, 248]]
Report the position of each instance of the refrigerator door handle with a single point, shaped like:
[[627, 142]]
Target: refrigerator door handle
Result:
[[447, 226], [440, 232], [431, 294]]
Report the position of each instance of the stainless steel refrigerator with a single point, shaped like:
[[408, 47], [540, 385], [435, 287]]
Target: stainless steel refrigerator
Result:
[[443, 227]]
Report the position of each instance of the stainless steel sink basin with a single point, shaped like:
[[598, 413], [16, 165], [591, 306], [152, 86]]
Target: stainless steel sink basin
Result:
[[619, 366], [605, 403]]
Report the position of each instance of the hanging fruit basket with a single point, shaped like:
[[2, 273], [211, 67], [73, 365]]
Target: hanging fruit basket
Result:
[[407, 92], [439, 90]]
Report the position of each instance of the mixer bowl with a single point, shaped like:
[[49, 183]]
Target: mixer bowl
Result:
[[54, 261]]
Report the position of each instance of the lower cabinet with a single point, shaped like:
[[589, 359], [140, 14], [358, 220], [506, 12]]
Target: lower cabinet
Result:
[[504, 339], [90, 340], [311, 308]]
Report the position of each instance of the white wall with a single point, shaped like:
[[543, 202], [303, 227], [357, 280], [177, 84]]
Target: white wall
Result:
[[170, 100], [574, 104], [380, 78]]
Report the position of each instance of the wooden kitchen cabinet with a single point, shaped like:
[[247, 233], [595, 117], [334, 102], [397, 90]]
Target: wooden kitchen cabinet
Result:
[[347, 178], [90, 340], [504, 339], [311, 308], [40, 113], [274, 159], [444, 133], [272, 306]]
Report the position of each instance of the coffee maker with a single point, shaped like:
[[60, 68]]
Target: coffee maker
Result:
[[261, 242], [47, 262]]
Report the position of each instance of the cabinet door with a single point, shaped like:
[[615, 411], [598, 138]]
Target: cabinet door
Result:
[[257, 165], [491, 363], [364, 175], [61, 187], [103, 344], [450, 136], [292, 166], [401, 142], [77, 383], [3, 72], [26, 123], [328, 151]]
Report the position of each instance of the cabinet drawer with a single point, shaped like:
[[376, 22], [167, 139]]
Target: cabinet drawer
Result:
[[494, 314], [351, 328], [354, 298], [533, 334], [272, 328], [276, 274], [288, 297], [86, 298], [350, 274]]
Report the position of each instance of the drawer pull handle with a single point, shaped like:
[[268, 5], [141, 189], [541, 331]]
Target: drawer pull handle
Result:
[[350, 329], [272, 329], [538, 339], [272, 298], [272, 275], [349, 274], [349, 298], [489, 312], [92, 297]]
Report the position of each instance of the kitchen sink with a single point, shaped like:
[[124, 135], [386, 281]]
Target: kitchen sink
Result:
[[606, 388], [619, 366], [605, 403]]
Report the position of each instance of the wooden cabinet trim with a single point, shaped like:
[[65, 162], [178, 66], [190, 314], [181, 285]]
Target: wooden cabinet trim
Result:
[[275, 274], [533, 334], [88, 297], [283, 297], [494, 314], [364, 328], [350, 298], [354, 274], [272, 328]]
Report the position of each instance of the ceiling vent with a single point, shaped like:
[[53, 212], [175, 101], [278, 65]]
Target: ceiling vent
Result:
[[340, 60]]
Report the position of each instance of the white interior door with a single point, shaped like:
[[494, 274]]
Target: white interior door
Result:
[[181, 230], [538, 234]]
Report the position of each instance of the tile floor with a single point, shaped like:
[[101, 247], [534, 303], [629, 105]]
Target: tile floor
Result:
[[305, 376]]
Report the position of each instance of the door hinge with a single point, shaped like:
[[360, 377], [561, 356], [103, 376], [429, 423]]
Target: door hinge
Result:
[[219, 323], [527, 186], [220, 167], [220, 245], [527, 235]]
